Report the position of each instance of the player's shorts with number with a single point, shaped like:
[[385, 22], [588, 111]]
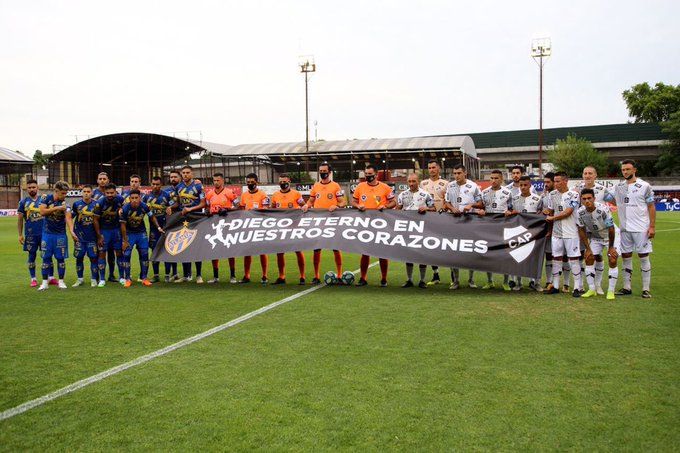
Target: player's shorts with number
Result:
[[54, 245], [635, 241], [566, 246], [112, 239], [32, 243], [82, 248]]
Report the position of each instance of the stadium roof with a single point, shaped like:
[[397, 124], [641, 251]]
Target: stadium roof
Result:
[[626, 132], [347, 147], [7, 156]]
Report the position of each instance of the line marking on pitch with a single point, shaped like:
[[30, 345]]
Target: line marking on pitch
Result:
[[9, 413], [672, 229]]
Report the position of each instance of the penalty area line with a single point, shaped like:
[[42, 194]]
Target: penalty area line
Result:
[[9, 413]]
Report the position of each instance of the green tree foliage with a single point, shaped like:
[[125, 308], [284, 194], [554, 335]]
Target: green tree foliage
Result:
[[573, 154], [660, 104], [39, 158], [652, 105]]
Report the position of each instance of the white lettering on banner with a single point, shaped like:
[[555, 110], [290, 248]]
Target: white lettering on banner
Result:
[[409, 226]]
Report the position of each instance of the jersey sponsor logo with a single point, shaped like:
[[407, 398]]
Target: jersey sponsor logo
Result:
[[520, 240], [330, 196], [178, 241], [363, 198]]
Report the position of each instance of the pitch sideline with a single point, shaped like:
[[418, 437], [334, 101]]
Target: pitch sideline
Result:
[[9, 413]]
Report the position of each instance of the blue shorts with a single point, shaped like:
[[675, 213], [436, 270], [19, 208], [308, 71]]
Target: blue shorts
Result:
[[112, 239], [54, 245], [32, 243], [154, 237], [81, 248], [140, 240]]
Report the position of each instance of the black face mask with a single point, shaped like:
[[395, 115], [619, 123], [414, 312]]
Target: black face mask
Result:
[[370, 178], [323, 175], [284, 185], [252, 187], [629, 177]]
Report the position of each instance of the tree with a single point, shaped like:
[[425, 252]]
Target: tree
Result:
[[652, 105], [572, 154], [39, 158], [669, 161]]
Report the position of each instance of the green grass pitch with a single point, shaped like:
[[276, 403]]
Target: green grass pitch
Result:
[[342, 368]]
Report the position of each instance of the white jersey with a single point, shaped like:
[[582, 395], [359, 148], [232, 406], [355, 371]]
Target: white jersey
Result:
[[515, 188], [596, 223], [463, 195], [533, 204], [437, 189], [558, 203], [599, 189], [631, 201], [412, 201], [497, 201]]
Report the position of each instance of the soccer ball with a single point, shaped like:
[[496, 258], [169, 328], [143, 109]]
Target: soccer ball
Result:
[[347, 278], [330, 278]]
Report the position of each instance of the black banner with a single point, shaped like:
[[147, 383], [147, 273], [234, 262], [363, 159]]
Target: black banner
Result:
[[513, 245]]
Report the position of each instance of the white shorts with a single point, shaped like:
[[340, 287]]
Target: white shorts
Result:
[[566, 246], [637, 242], [599, 245]]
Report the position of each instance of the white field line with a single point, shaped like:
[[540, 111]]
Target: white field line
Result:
[[672, 229], [9, 413]]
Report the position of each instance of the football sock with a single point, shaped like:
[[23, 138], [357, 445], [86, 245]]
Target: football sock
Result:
[[111, 261], [101, 264], [613, 277], [548, 268], [216, 268], [168, 269], [646, 269], [383, 268], [186, 270], [301, 264], [489, 277], [61, 268], [506, 278], [566, 270], [47, 269], [199, 268], [80, 267], [281, 264], [316, 259], [338, 261], [173, 266], [471, 276], [455, 275], [590, 276], [94, 269], [556, 272], [599, 270], [156, 265], [120, 260], [627, 272], [232, 267], [423, 269], [31, 263], [144, 263], [409, 271], [363, 266], [576, 273]]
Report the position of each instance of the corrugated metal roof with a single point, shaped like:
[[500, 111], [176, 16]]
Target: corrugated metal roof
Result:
[[346, 146], [7, 155], [626, 132]]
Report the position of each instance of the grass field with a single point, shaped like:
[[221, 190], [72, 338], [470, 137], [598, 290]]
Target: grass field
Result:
[[342, 368]]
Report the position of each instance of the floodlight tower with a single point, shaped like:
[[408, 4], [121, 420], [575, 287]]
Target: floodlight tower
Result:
[[307, 66], [540, 48]]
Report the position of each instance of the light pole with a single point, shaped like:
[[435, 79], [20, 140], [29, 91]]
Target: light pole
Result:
[[540, 48], [307, 66]]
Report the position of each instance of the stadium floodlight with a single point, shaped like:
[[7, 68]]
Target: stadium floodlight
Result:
[[307, 66], [540, 48]]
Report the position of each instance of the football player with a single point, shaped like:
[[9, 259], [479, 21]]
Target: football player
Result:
[[415, 199], [98, 193], [526, 202], [436, 187], [135, 184], [158, 201], [54, 243], [254, 198], [220, 200], [516, 173], [107, 227], [287, 198], [372, 194], [84, 236], [30, 226]]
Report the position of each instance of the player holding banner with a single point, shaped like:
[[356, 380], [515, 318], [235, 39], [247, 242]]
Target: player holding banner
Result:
[[97, 194], [288, 198], [54, 243], [415, 199], [436, 187], [526, 202], [158, 201], [133, 233], [84, 236], [325, 194], [372, 194], [597, 232], [254, 198], [220, 200], [107, 226], [496, 199], [461, 195]]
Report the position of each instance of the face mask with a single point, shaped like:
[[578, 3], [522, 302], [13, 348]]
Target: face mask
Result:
[[323, 175], [629, 177], [370, 178], [284, 185], [252, 187]]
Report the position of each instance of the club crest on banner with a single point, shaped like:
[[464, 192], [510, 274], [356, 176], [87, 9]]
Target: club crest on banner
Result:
[[178, 241], [520, 241]]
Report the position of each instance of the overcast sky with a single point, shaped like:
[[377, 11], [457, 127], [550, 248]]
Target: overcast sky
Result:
[[385, 68]]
